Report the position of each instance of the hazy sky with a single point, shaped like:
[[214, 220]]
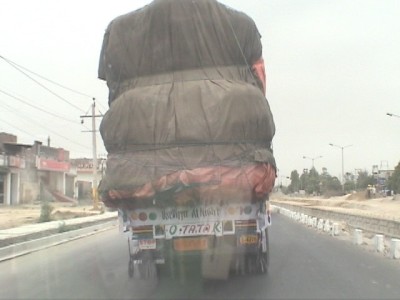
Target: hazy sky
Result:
[[333, 72]]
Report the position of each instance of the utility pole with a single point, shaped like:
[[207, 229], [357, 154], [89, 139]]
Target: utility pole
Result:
[[95, 195], [94, 147]]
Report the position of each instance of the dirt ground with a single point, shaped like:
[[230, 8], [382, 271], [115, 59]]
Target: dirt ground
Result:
[[386, 207], [356, 203], [14, 216]]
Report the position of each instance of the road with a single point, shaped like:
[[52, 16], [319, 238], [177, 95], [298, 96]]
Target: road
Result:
[[305, 264]]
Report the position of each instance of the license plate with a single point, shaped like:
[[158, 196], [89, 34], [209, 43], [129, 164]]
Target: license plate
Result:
[[190, 244], [248, 239], [147, 244], [181, 230]]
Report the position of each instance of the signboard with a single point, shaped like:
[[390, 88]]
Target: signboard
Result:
[[52, 165], [181, 230], [147, 244], [87, 166], [190, 244], [381, 181], [191, 215], [17, 162]]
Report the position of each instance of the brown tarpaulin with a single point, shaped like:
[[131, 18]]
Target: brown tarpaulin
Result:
[[185, 96]]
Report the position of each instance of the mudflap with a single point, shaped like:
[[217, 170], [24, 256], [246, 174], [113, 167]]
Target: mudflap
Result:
[[142, 266], [216, 262]]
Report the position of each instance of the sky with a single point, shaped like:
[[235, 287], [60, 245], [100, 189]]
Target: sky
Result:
[[333, 74]]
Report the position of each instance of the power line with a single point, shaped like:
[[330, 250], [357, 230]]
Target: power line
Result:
[[1, 120], [47, 79], [30, 134], [38, 108], [19, 69], [47, 129], [102, 107], [15, 65]]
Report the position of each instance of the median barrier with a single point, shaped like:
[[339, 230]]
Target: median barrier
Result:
[[334, 229], [395, 248], [357, 237], [376, 225], [18, 242], [379, 242]]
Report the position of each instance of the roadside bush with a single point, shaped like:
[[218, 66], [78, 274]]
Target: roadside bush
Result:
[[45, 212]]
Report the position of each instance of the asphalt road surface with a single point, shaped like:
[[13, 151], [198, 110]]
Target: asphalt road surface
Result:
[[305, 264]]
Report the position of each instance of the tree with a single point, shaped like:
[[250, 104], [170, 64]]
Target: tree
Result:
[[349, 182], [334, 185], [294, 185], [330, 186], [363, 180], [304, 179], [349, 186], [394, 180], [313, 182]]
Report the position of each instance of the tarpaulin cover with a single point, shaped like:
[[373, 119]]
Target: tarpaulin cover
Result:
[[187, 114]]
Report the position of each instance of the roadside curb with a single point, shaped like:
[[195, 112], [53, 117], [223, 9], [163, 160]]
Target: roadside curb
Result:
[[371, 224], [51, 240], [391, 249]]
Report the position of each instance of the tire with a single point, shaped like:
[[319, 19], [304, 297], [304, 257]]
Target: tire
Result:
[[130, 268], [263, 258]]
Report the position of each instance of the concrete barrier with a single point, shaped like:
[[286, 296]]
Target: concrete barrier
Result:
[[371, 224], [395, 248], [314, 222], [310, 221], [320, 225], [334, 229], [379, 242], [327, 226], [19, 249], [357, 237]]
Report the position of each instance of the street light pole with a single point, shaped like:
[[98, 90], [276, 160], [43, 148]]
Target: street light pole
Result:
[[312, 159], [342, 148], [282, 183], [392, 115]]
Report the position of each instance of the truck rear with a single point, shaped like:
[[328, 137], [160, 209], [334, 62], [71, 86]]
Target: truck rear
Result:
[[227, 238]]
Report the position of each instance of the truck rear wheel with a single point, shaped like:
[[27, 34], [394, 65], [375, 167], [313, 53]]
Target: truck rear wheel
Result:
[[130, 268], [262, 259]]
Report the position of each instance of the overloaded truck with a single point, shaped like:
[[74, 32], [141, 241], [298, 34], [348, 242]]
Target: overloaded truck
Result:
[[189, 137]]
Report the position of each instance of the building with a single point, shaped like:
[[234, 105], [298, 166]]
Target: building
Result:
[[12, 168], [53, 171], [84, 176], [29, 173], [382, 175]]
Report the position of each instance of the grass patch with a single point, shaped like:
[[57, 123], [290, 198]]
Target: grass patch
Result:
[[62, 227]]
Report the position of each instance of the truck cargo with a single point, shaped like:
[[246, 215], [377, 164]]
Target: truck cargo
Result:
[[189, 135]]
